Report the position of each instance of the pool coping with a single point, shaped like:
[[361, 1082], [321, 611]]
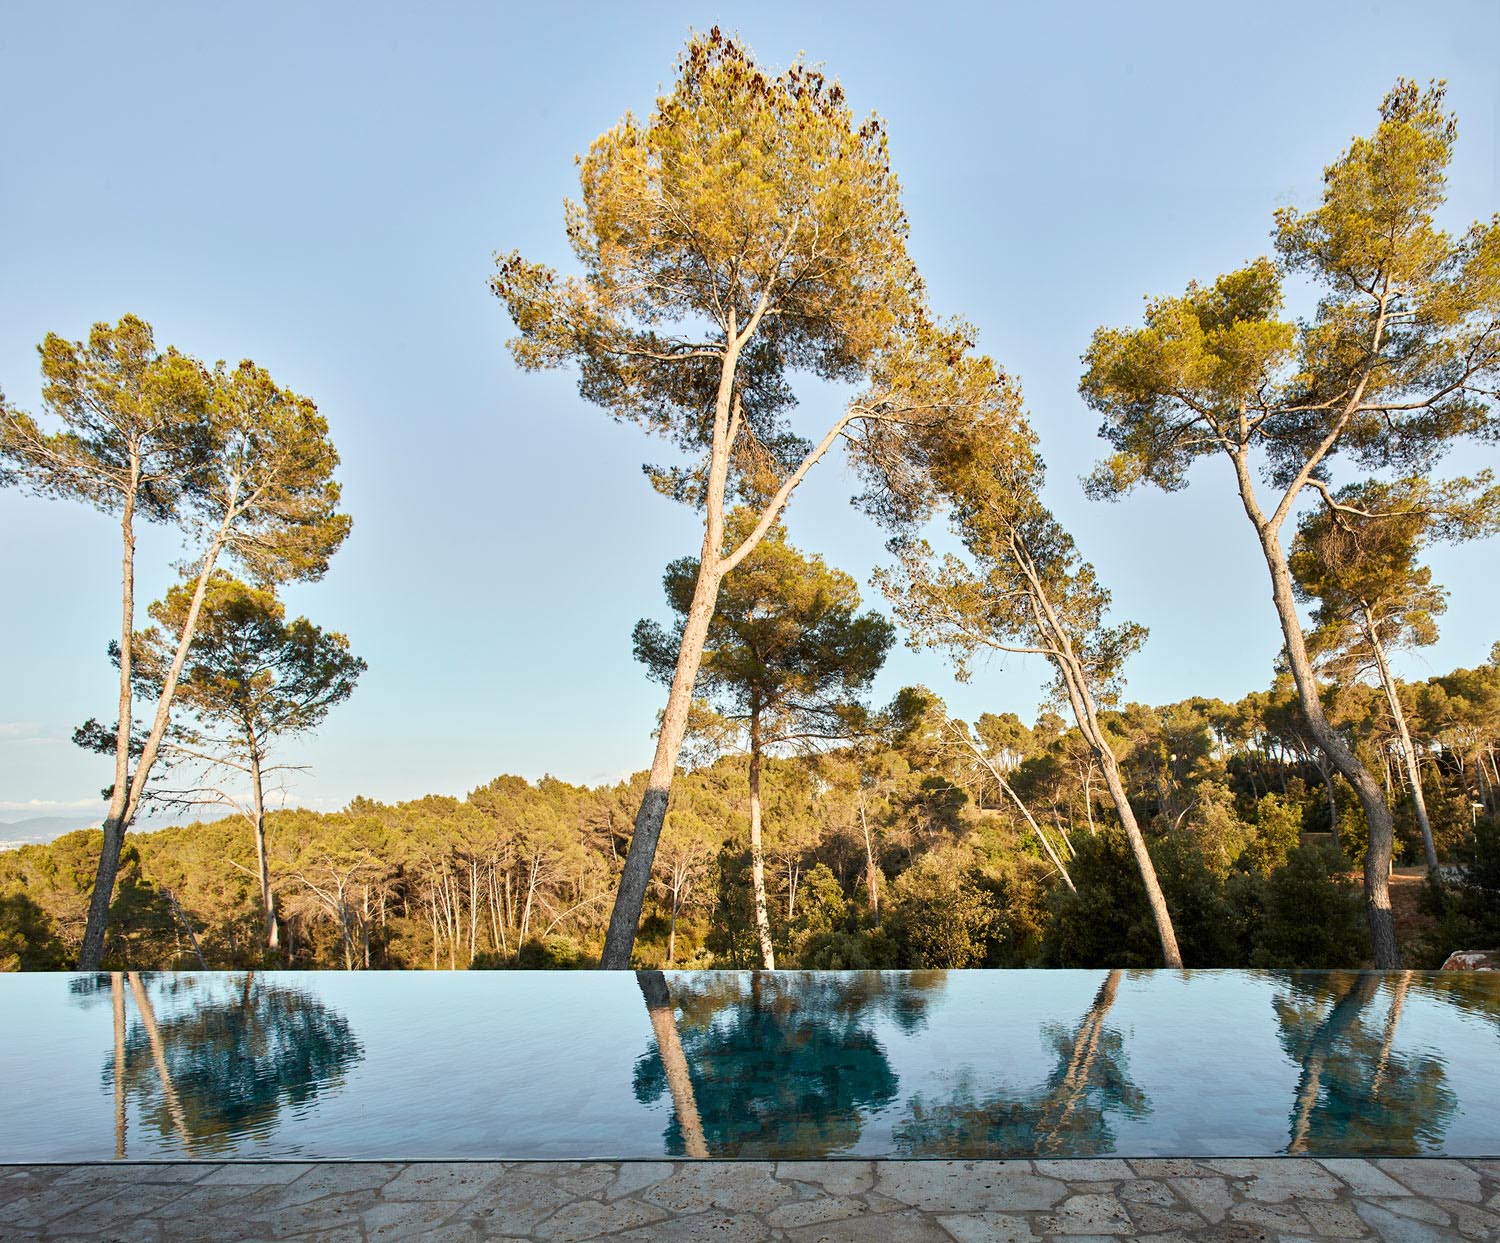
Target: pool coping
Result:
[[1066, 1200]]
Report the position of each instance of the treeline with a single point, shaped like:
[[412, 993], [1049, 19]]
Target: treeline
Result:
[[937, 843]]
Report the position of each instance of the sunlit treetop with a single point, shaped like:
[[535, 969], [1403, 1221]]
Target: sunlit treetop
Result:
[[751, 219], [1401, 357]]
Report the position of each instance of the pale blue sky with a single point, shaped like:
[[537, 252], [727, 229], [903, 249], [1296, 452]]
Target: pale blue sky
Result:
[[321, 187]]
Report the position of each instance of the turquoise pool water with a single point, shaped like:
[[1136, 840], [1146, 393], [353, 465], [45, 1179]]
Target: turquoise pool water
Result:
[[518, 1065]]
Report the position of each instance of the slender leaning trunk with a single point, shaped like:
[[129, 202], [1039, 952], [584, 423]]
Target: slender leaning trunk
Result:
[[672, 932], [262, 854], [91, 955], [1413, 769], [871, 872], [635, 877], [1171, 955], [1086, 716], [1377, 870], [757, 851]]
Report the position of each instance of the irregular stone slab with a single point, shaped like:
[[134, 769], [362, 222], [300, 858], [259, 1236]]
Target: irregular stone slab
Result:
[[449, 1232], [901, 1227], [1416, 1208], [350, 1233], [811, 1212], [1394, 1229], [1167, 1167], [701, 1228], [1286, 1200], [1331, 1220], [1087, 1214], [1147, 1191], [398, 1219], [987, 1228], [1154, 1219], [135, 1175], [586, 1178], [519, 1198], [840, 1178], [1085, 1169], [966, 1186], [1281, 1179], [748, 1187], [139, 1230], [587, 1219], [1448, 1180], [257, 1174], [1282, 1218], [1209, 1197], [443, 1182], [1362, 1178], [635, 1176], [1473, 1222]]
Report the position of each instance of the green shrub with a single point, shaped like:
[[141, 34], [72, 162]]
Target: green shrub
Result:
[[552, 954], [939, 915], [1312, 918]]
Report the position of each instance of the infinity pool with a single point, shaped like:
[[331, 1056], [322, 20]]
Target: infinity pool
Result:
[[514, 1065]]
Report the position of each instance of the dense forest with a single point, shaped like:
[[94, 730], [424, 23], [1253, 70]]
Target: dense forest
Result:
[[749, 230], [928, 846]]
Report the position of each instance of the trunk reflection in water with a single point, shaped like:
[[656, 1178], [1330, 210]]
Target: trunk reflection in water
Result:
[[1356, 1093], [779, 1063], [117, 997], [217, 1072], [1068, 1115], [674, 1063]]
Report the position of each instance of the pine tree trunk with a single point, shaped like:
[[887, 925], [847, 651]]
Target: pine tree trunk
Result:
[[262, 854], [757, 851], [1377, 866], [1086, 716], [1413, 769], [672, 932], [635, 877], [1171, 955], [872, 873], [91, 954]]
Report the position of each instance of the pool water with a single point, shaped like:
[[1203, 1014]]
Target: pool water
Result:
[[565, 1065]]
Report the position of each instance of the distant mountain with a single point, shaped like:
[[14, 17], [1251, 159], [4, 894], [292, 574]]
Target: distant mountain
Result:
[[37, 829]]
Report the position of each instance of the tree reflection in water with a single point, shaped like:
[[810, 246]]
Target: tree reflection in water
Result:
[[1356, 1093], [221, 1070], [1067, 1116], [785, 1065]]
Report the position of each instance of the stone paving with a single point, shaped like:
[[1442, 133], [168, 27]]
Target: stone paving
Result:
[[1283, 1200]]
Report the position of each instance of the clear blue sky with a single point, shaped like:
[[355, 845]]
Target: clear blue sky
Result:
[[321, 187]]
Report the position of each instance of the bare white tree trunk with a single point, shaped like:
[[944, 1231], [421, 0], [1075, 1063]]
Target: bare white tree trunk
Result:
[[757, 851], [1377, 868], [872, 873], [262, 854], [1403, 734]]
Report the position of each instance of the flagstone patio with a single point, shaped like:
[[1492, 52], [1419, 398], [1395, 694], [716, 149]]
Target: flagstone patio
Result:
[[1070, 1201]]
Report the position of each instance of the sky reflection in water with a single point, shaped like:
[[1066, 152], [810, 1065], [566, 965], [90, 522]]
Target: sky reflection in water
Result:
[[736, 1064]]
